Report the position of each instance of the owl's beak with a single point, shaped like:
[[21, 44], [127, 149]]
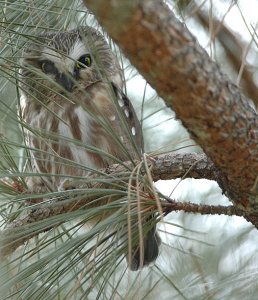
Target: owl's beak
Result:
[[66, 81]]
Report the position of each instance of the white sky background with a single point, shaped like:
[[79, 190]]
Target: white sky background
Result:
[[249, 10], [203, 190]]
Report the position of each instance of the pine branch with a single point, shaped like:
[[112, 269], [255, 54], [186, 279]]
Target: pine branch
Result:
[[202, 209], [13, 237], [162, 167]]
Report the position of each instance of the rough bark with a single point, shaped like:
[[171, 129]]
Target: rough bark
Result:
[[209, 105], [188, 165]]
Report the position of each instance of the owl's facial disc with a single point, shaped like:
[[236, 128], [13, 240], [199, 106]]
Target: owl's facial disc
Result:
[[81, 65], [64, 70]]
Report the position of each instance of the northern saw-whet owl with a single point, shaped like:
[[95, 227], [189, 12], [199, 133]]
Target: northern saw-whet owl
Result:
[[71, 84]]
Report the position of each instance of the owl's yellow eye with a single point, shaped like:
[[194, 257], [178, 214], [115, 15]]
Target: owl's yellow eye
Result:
[[84, 61], [43, 67], [48, 67]]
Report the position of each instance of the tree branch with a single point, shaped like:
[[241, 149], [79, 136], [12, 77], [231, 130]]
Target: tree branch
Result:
[[188, 165], [209, 105], [13, 236], [162, 167], [202, 209], [178, 165]]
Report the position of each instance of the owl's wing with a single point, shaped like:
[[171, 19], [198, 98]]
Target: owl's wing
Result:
[[151, 239], [134, 143]]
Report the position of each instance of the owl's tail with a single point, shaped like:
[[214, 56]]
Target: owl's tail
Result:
[[150, 251]]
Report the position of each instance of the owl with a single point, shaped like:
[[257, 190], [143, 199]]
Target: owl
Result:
[[72, 99]]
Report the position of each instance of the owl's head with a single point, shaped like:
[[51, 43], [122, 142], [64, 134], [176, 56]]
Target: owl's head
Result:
[[68, 60]]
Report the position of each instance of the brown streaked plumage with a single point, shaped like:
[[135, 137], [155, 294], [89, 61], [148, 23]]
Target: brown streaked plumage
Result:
[[72, 99]]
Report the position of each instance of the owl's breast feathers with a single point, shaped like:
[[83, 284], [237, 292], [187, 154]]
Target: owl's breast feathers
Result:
[[66, 132]]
